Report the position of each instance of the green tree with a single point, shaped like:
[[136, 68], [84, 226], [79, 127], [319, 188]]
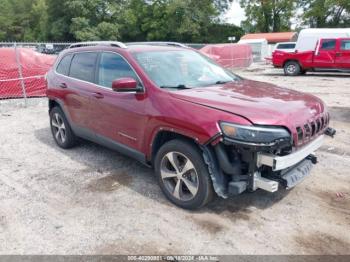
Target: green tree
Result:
[[5, 19], [268, 15], [15, 19], [125, 20], [325, 13], [172, 20], [94, 19], [219, 33], [38, 21], [59, 21]]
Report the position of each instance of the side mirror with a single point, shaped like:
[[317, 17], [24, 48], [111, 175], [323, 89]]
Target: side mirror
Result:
[[126, 84]]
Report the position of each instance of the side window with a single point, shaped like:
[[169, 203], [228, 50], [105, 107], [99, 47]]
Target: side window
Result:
[[286, 46], [345, 45], [328, 44], [83, 66], [63, 66], [112, 67]]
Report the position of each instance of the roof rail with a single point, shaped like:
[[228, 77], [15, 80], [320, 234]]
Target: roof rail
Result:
[[159, 44], [98, 43]]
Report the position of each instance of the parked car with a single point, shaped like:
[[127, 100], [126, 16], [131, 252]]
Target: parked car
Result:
[[329, 55], [204, 130], [288, 47]]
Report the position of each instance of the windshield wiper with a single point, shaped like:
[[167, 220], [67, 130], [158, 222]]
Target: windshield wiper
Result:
[[223, 82], [176, 87]]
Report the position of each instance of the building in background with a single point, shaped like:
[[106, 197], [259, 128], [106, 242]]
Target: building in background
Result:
[[259, 47], [263, 43]]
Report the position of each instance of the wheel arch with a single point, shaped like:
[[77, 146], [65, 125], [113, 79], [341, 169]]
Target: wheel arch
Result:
[[58, 103], [53, 103], [163, 136], [207, 151]]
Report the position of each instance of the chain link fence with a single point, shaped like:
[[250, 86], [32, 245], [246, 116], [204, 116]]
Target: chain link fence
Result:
[[23, 67]]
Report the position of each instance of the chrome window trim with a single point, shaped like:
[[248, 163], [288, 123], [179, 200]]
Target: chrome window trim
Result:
[[143, 91]]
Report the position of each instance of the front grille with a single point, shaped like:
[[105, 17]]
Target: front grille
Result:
[[312, 129]]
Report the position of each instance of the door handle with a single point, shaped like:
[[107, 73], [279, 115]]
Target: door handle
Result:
[[63, 85], [338, 54], [98, 95]]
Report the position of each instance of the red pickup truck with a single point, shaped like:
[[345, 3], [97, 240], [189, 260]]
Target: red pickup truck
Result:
[[329, 55]]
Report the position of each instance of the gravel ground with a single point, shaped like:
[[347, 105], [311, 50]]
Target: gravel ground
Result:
[[90, 200]]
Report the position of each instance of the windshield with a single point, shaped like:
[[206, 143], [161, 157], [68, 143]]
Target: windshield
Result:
[[182, 69]]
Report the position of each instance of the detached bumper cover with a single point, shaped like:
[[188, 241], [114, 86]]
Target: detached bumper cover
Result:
[[282, 162]]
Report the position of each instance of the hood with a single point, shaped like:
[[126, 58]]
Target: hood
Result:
[[260, 103]]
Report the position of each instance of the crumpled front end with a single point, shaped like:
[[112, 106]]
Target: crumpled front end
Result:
[[244, 166]]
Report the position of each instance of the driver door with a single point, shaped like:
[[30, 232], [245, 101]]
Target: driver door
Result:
[[119, 117], [326, 56], [343, 55]]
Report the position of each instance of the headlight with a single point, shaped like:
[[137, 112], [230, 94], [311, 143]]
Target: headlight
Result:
[[254, 134]]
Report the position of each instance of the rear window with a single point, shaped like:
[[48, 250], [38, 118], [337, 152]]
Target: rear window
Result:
[[345, 45], [63, 66], [328, 44], [286, 46], [83, 66]]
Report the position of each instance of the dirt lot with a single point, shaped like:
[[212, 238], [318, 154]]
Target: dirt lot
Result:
[[90, 200]]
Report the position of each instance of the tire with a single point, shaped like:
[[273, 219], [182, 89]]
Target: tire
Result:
[[292, 68], [191, 189], [61, 130]]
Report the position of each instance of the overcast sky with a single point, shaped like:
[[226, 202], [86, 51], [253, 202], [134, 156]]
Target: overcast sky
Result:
[[235, 14]]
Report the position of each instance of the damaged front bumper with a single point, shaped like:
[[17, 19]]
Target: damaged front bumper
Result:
[[282, 162], [288, 179], [236, 168], [294, 167]]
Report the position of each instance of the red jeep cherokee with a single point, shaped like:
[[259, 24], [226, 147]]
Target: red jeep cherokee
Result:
[[202, 128]]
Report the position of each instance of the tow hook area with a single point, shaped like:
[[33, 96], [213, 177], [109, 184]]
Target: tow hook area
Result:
[[330, 132], [313, 159], [264, 183]]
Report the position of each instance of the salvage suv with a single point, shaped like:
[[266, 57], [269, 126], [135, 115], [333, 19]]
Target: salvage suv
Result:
[[204, 130]]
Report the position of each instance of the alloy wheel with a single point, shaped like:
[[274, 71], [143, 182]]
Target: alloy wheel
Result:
[[179, 176], [59, 129]]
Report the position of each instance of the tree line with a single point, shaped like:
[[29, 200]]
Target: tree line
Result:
[[167, 20], [125, 20], [278, 15]]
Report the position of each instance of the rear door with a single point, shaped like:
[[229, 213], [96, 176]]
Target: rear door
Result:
[[80, 84], [343, 54], [326, 55]]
